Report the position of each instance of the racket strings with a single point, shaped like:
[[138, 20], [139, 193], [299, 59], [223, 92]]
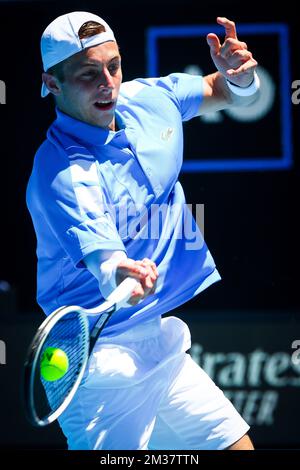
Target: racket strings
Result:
[[69, 334]]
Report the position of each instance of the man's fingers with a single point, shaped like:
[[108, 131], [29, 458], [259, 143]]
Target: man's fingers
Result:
[[130, 268], [142, 291], [230, 46], [144, 271], [151, 264], [239, 58], [138, 271], [149, 281], [213, 42], [137, 295], [246, 67], [229, 27]]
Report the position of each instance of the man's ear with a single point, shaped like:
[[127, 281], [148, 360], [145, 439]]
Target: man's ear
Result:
[[52, 83]]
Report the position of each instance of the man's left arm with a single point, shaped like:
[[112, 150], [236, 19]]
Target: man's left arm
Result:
[[236, 82]]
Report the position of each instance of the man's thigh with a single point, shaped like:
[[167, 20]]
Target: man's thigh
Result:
[[195, 414]]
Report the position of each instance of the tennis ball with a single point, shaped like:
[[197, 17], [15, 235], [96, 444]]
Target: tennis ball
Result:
[[54, 364]]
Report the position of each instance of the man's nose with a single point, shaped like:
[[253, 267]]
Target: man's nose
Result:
[[106, 80]]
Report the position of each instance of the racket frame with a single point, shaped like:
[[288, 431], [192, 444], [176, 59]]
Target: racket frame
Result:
[[116, 300]]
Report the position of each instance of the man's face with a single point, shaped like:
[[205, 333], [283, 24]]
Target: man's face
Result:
[[91, 86]]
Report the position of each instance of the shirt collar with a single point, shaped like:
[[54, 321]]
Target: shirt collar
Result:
[[86, 132]]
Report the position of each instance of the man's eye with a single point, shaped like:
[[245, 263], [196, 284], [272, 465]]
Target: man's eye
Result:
[[113, 68], [90, 74]]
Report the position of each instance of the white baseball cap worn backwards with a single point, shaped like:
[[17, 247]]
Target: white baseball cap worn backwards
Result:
[[60, 39]]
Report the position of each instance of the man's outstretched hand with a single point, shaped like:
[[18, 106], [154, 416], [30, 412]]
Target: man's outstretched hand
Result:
[[232, 58], [144, 271]]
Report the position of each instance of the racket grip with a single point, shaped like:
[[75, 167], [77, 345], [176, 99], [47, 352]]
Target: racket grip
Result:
[[123, 292]]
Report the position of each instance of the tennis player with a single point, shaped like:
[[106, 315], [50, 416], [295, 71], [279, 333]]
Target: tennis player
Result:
[[106, 204]]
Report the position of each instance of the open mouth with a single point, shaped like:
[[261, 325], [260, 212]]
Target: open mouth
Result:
[[104, 105]]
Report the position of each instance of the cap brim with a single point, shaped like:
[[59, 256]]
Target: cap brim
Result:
[[44, 91]]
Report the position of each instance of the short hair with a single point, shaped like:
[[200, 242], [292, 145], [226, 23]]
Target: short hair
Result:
[[88, 29]]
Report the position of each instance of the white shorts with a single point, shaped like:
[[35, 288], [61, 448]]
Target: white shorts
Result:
[[143, 391]]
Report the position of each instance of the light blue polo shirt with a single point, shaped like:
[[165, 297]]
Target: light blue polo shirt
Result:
[[93, 189]]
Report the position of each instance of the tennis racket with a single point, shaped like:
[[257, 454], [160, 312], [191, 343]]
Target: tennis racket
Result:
[[67, 328]]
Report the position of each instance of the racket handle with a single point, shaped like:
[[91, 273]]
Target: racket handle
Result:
[[123, 292]]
